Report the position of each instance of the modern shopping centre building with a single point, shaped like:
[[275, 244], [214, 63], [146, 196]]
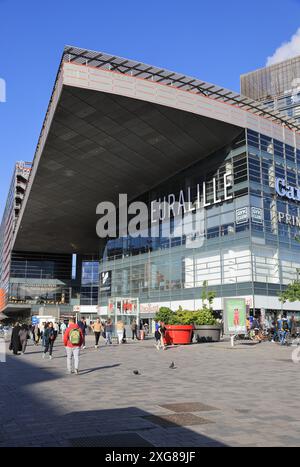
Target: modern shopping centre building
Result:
[[116, 126]]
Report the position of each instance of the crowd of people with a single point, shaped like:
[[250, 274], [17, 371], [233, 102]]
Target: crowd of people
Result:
[[274, 330], [73, 336]]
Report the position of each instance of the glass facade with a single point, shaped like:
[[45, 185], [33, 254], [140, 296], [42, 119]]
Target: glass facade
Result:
[[244, 248], [37, 278], [89, 281]]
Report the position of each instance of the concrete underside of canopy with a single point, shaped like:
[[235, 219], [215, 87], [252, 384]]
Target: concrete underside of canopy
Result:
[[100, 145]]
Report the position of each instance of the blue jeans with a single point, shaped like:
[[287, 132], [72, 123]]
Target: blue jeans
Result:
[[108, 337], [282, 335]]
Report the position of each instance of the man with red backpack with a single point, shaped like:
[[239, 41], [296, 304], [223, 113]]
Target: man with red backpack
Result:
[[73, 339]]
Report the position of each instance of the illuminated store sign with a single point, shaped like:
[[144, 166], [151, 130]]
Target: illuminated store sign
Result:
[[288, 219], [287, 191]]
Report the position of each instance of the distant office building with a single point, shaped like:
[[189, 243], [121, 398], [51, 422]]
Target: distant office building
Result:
[[277, 86], [12, 208]]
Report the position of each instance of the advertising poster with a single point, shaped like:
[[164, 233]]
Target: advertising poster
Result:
[[105, 282], [234, 315]]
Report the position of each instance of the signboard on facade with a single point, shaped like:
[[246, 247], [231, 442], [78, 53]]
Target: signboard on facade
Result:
[[288, 219], [76, 308], [287, 191], [234, 315], [257, 215], [105, 282], [241, 215], [149, 308]]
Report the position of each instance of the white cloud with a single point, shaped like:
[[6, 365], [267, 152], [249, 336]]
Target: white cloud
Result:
[[286, 50]]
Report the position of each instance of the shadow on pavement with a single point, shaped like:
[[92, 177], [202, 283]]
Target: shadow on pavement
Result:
[[91, 370], [30, 418]]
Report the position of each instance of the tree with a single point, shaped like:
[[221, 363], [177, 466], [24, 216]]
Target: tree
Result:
[[292, 293], [207, 296]]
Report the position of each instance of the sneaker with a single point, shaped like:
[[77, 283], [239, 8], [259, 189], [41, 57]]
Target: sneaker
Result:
[[43, 356], [50, 357], [76, 372], [83, 347]]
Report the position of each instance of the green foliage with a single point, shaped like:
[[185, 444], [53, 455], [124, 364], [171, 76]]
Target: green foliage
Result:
[[164, 314], [292, 293], [204, 317], [182, 317], [199, 317], [207, 296]]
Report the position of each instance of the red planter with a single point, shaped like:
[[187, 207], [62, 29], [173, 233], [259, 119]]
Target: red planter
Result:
[[179, 334]]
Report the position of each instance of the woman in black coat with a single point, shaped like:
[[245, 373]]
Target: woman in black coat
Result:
[[15, 343]]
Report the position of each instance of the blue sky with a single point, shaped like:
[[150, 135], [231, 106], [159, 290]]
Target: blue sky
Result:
[[215, 41]]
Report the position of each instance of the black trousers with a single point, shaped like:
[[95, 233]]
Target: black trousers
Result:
[[134, 333], [49, 347], [97, 337]]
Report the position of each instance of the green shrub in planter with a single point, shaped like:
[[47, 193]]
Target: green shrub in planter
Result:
[[204, 317], [175, 318], [182, 317], [164, 314]]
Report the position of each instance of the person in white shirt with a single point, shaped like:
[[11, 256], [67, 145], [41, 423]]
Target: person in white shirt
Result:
[[63, 328]]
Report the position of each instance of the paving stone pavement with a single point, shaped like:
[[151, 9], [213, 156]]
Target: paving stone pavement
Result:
[[254, 389]]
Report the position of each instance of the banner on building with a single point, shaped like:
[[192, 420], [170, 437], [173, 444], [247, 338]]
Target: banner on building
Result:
[[234, 315], [257, 215], [241, 215], [105, 282]]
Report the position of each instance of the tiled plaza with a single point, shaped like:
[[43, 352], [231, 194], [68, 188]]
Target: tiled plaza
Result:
[[216, 395]]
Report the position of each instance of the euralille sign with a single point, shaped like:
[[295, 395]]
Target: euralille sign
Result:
[[133, 220]]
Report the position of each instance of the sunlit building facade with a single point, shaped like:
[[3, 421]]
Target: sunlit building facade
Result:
[[117, 126]]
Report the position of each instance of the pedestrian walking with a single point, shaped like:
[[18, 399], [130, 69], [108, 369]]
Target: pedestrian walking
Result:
[[50, 335], [73, 340], [15, 343], [83, 326], [134, 329], [293, 326], [33, 333], [63, 328], [120, 331], [42, 327], [56, 328], [97, 328], [37, 334], [108, 331], [157, 334], [162, 331], [284, 327], [24, 335]]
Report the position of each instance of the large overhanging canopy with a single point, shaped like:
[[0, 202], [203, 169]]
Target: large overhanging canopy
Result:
[[114, 126], [100, 145]]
